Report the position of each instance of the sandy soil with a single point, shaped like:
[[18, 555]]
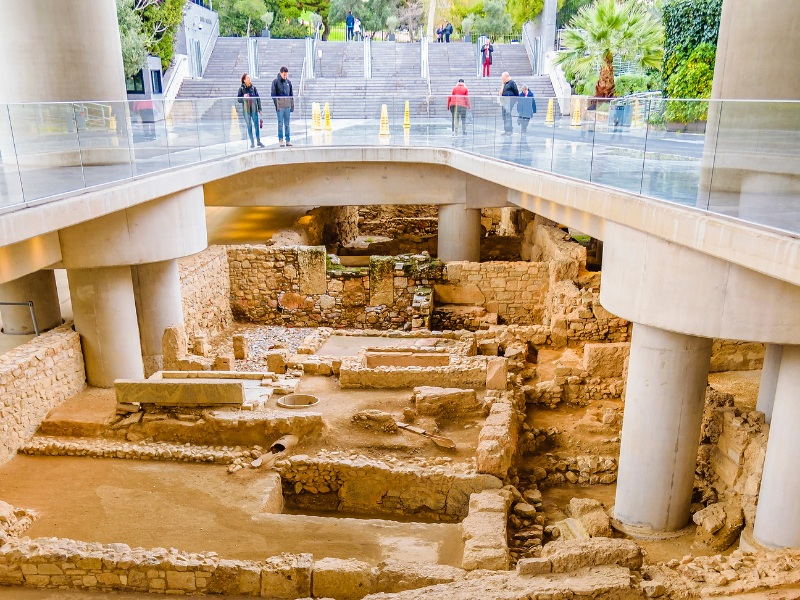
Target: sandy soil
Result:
[[743, 385], [200, 508]]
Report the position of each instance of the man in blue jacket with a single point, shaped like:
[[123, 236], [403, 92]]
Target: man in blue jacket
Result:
[[509, 94], [283, 98], [526, 106], [349, 22]]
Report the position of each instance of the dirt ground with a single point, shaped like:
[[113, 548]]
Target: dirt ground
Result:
[[200, 508], [743, 385]]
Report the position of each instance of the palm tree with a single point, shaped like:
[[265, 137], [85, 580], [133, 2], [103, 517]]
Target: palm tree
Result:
[[609, 28]]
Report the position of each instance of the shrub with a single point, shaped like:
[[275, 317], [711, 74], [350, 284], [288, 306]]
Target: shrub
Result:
[[632, 84], [691, 78]]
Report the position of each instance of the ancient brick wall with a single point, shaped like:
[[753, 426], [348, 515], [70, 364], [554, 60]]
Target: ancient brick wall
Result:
[[34, 378], [205, 290], [393, 221], [294, 285]]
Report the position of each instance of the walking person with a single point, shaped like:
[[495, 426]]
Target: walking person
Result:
[[509, 94], [458, 104], [283, 97], [349, 22], [251, 106], [448, 31], [486, 61], [526, 107], [439, 34], [357, 31]]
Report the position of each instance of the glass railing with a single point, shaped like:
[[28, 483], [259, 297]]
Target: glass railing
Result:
[[734, 157]]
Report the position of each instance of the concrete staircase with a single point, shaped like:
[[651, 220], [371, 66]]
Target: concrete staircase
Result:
[[339, 59]]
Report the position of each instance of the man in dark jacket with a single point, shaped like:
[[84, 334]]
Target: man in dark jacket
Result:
[[350, 22], [526, 106], [283, 97], [251, 106], [448, 31], [509, 94]]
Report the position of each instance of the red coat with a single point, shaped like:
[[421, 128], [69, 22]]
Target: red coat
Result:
[[459, 96]]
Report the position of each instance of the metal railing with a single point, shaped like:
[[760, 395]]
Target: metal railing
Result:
[[367, 58], [29, 304]]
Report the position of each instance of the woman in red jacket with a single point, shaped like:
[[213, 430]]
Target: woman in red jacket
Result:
[[457, 104]]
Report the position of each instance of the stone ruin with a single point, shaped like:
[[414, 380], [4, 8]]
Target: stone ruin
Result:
[[515, 364]]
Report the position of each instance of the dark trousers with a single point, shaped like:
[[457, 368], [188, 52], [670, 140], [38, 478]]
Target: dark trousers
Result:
[[459, 114], [523, 123], [508, 124], [349, 32]]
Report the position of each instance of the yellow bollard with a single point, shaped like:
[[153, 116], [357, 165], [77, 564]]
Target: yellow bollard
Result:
[[327, 117], [384, 130], [637, 121], [576, 114], [548, 119], [316, 117], [236, 133], [407, 118]]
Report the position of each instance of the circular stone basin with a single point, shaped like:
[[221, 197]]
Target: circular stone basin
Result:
[[298, 401]]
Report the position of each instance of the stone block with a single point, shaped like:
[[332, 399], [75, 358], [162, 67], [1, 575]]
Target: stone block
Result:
[[173, 346], [311, 261], [605, 360], [529, 567], [468, 294], [496, 373], [381, 280], [492, 558], [342, 579], [272, 499], [200, 345], [719, 525], [180, 392], [591, 515], [287, 576], [495, 501], [437, 401], [224, 362], [241, 349], [571, 555], [395, 576], [276, 361]]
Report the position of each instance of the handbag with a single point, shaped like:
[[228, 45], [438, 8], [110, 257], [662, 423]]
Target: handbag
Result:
[[261, 123]]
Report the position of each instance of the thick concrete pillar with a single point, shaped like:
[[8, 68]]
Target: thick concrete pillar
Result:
[[777, 516], [80, 60], [769, 380], [157, 289], [459, 233], [39, 288], [105, 315], [667, 377]]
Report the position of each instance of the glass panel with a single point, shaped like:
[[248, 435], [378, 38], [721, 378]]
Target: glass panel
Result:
[[10, 183], [573, 138], [104, 143], [48, 152], [619, 146], [149, 134]]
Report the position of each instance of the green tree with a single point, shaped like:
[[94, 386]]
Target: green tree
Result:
[[568, 9], [522, 11], [339, 9], [691, 79], [607, 29], [134, 42], [494, 20], [238, 17], [377, 13], [160, 22]]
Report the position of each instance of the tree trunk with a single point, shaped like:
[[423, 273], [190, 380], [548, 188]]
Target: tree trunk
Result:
[[605, 82]]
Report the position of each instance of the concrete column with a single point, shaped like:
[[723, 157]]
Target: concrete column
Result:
[[105, 315], [157, 289], [777, 516], [769, 380], [38, 287], [667, 377], [459, 233], [75, 53]]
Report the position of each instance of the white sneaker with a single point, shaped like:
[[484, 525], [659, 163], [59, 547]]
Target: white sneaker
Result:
[[281, 143]]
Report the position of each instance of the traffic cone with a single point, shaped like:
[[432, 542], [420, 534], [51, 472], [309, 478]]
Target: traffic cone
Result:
[[407, 118], [384, 130], [576, 114], [548, 119], [407, 136], [236, 133], [327, 117], [316, 117]]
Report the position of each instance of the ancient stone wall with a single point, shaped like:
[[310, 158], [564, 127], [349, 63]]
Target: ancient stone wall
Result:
[[369, 486], [394, 221], [34, 378], [730, 355], [281, 285], [205, 291]]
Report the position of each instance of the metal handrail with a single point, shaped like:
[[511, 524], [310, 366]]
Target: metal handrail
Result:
[[29, 304]]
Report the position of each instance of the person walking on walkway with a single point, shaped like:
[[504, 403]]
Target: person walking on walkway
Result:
[[486, 59], [509, 94], [458, 104], [283, 97], [350, 23], [526, 107], [251, 106], [357, 31], [448, 31]]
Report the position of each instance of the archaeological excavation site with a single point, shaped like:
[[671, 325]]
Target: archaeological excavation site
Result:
[[341, 413]]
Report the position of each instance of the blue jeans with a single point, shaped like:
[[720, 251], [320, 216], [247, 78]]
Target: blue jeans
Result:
[[283, 123], [251, 120]]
